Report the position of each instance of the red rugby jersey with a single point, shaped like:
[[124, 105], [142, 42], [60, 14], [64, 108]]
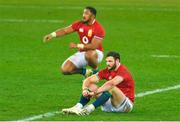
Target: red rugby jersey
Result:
[[88, 32], [126, 86]]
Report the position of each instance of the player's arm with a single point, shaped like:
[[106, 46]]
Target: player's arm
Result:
[[92, 46], [58, 33], [90, 80], [87, 83], [110, 84]]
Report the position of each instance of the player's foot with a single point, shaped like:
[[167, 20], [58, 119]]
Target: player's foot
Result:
[[87, 110], [90, 72], [73, 110]]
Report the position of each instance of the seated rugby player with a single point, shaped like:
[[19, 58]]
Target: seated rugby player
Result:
[[115, 95]]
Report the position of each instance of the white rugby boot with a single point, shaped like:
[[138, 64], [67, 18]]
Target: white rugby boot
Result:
[[73, 110], [87, 110]]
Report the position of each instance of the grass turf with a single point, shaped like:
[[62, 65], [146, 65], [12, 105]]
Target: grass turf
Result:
[[29, 70]]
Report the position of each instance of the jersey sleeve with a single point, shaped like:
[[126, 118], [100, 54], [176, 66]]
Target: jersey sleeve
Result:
[[75, 25], [99, 34], [101, 75], [124, 75]]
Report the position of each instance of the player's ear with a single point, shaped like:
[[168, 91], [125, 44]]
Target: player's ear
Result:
[[117, 61]]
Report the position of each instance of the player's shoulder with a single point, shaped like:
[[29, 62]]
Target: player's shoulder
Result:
[[105, 70], [97, 24], [122, 68], [76, 25]]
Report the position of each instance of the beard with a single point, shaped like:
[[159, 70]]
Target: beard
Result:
[[85, 21], [112, 68]]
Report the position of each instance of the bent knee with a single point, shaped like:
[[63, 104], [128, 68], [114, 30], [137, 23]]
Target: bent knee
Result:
[[113, 89], [67, 68], [65, 71]]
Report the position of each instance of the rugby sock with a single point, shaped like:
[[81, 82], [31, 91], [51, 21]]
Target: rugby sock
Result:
[[83, 71], [102, 99], [79, 105], [90, 108], [84, 100], [95, 71]]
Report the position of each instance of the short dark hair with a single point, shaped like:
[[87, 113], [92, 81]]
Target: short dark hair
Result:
[[114, 54], [92, 10]]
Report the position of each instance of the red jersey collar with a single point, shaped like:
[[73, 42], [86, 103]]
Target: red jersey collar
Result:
[[118, 67], [93, 21]]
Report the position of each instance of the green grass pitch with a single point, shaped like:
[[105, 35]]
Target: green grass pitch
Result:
[[30, 81]]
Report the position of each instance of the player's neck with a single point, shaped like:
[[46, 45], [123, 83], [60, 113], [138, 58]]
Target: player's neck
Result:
[[118, 65], [91, 22]]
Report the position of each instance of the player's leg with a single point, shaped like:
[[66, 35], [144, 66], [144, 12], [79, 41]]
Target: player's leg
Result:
[[100, 100], [117, 96], [76, 109], [84, 100], [69, 68], [93, 58], [112, 101], [74, 64], [118, 102]]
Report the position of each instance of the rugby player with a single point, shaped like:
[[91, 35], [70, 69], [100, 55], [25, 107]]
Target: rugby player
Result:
[[115, 95], [90, 50]]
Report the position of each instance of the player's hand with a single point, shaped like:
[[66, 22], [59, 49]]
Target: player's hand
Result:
[[47, 38], [92, 94], [85, 93], [72, 45]]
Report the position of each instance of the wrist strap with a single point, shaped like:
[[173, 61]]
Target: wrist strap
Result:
[[80, 46], [53, 34]]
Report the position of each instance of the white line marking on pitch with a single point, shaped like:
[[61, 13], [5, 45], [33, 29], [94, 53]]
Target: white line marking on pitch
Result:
[[142, 94], [165, 56], [157, 91], [31, 21], [99, 8], [45, 115]]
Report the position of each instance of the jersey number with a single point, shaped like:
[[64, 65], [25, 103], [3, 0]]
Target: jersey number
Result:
[[85, 40]]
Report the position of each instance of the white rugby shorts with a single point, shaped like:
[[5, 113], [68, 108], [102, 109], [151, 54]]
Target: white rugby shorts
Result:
[[78, 59], [126, 106]]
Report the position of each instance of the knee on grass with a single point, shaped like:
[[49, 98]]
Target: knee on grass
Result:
[[65, 71]]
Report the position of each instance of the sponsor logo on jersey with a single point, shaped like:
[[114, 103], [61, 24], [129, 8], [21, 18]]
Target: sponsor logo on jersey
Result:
[[90, 33], [81, 30]]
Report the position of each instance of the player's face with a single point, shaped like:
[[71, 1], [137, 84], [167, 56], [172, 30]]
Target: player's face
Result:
[[86, 15], [111, 63]]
